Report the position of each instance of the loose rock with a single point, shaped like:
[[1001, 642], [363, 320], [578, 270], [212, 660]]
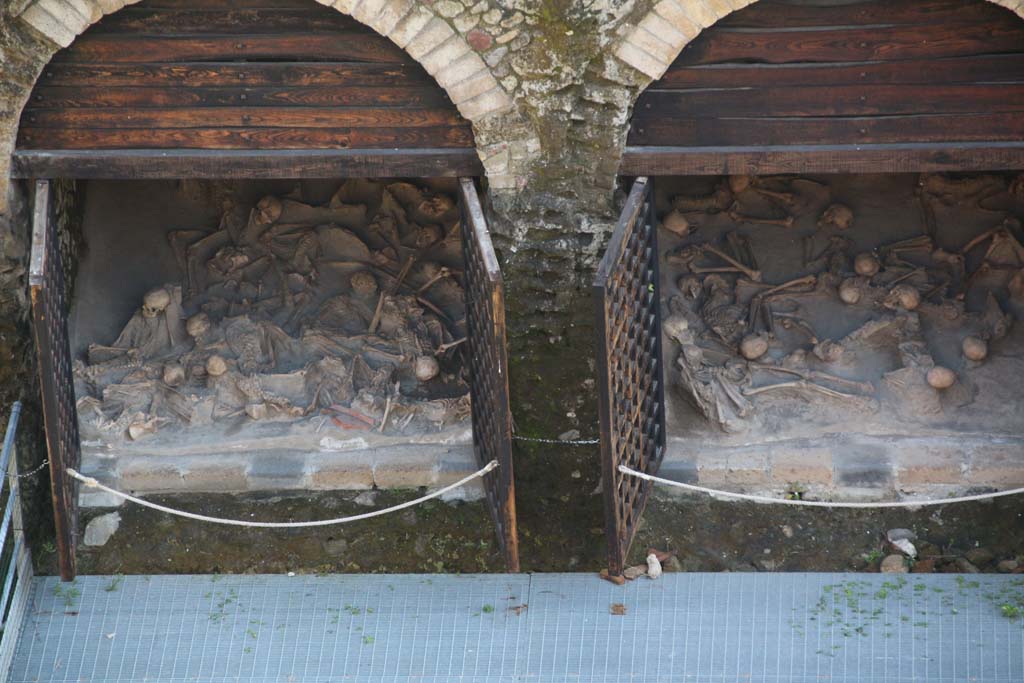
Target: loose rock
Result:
[[893, 564]]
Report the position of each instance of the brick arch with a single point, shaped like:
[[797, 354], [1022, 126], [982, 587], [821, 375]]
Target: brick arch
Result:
[[412, 26], [651, 45]]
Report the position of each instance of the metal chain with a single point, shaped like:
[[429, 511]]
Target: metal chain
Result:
[[37, 470], [567, 442]]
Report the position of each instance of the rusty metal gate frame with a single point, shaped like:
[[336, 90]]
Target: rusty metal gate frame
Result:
[[60, 416], [630, 382], [488, 369]]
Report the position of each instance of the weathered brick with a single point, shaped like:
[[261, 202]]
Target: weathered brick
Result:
[[653, 45], [468, 66], [933, 465], [399, 472], [341, 476], [664, 30], [1000, 466], [50, 26], [215, 474], [145, 475], [388, 15], [444, 55], [699, 12], [433, 34], [346, 6], [673, 13], [472, 87], [802, 467], [719, 8], [490, 102], [110, 6], [640, 60], [410, 25]]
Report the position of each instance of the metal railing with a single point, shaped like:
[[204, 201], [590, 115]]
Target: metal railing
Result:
[[15, 561]]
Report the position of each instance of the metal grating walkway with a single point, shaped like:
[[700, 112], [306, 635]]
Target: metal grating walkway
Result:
[[843, 628]]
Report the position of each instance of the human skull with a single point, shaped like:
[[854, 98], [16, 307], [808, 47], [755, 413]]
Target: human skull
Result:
[[838, 216], [363, 284], [753, 346], [216, 366], [850, 290], [866, 264], [939, 377], [676, 327], [427, 235], [155, 302], [906, 297], [197, 326], [426, 368], [676, 223], [268, 210], [975, 348], [174, 374], [436, 206]]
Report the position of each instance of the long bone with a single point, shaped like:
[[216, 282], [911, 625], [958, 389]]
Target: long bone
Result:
[[802, 384], [441, 274], [740, 245], [864, 387], [738, 217], [759, 298], [754, 275]]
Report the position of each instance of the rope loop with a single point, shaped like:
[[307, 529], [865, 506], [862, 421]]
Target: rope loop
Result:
[[91, 482], [818, 503]]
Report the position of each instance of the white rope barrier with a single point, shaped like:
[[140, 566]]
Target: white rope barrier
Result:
[[818, 503], [93, 483]]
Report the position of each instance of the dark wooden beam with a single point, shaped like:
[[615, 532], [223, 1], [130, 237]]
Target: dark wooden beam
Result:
[[130, 164], [894, 158]]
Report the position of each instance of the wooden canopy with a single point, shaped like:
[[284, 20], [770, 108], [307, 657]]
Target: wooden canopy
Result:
[[238, 88], [884, 85]]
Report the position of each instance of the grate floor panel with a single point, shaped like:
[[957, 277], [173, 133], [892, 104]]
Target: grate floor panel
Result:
[[775, 628]]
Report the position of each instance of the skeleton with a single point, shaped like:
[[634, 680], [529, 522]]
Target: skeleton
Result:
[[155, 329]]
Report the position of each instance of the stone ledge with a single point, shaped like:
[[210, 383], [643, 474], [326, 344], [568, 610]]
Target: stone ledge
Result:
[[852, 466], [400, 467]]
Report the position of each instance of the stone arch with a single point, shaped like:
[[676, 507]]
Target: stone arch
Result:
[[653, 43]]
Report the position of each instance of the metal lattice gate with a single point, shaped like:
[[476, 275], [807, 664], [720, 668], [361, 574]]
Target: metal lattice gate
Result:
[[50, 329], [630, 382], [488, 368]]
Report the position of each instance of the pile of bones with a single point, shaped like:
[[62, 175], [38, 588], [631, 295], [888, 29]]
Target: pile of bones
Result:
[[350, 314], [740, 341]]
